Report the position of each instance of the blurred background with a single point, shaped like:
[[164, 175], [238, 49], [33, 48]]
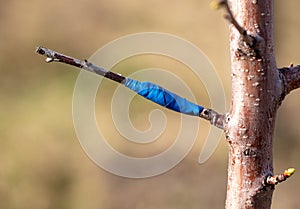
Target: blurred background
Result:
[[42, 165]]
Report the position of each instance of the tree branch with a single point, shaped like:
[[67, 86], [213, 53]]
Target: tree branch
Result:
[[290, 77], [58, 57], [273, 180], [254, 41], [148, 90]]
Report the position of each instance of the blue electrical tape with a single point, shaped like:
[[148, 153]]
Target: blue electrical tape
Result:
[[163, 97]]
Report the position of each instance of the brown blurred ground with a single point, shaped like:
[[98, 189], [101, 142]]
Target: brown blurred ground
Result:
[[42, 165]]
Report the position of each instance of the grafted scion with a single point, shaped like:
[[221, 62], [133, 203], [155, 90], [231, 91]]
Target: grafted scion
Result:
[[148, 90]]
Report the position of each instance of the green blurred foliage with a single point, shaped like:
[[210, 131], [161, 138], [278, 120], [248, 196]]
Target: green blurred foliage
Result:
[[42, 165]]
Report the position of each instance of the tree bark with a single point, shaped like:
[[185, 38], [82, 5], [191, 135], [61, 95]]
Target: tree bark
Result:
[[256, 95]]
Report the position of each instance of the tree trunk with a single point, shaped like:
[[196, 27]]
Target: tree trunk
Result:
[[256, 95]]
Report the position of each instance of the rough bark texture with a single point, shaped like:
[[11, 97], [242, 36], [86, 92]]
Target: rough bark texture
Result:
[[256, 94]]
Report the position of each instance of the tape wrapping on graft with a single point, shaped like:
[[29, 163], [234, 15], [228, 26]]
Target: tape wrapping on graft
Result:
[[163, 97]]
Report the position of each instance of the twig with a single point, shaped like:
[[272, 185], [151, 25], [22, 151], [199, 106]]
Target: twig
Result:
[[273, 180], [158, 94], [58, 57], [252, 41], [215, 118]]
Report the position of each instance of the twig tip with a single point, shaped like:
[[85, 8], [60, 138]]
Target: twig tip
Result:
[[289, 172], [273, 180], [217, 4], [39, 50]]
